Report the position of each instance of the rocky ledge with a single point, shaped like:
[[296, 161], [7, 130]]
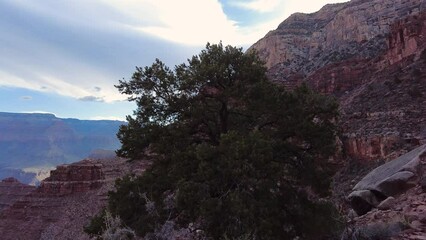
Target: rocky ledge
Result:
[[83, 176]]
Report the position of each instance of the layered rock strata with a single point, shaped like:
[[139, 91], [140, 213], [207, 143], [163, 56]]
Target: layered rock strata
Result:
[[370, 55], [11, 190], [73, 178], [65, 202], [304, 43]]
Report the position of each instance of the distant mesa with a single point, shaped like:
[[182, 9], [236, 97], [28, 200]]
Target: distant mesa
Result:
[[10, 180], [19, 175], [42, 141]]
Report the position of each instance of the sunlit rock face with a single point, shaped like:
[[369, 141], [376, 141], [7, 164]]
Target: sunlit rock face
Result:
[[306, 42], [371, 56]]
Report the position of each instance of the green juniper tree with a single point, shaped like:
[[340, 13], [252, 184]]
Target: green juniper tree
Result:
[[233, 154]]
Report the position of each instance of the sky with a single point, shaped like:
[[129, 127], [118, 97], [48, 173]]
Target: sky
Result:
[[64, 57]]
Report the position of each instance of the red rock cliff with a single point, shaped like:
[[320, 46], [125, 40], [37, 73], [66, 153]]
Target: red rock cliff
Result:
[[371, 56], [78, 177]]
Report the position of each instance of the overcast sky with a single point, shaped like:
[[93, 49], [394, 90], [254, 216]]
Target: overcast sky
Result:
[[64, 56]]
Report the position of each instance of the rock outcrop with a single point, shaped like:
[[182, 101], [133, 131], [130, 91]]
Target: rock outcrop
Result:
[[82, 176], [388, 180], [371, 56], [403, 219], [65, 202], [390, 202]]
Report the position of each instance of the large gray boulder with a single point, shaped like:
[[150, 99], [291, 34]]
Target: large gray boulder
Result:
[[389, 179]]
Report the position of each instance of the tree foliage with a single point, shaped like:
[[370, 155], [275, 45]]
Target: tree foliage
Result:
[[233, 154]]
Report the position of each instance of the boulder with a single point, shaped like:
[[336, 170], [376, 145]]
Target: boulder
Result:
[[389, 179], [364, 200], [388, 203]]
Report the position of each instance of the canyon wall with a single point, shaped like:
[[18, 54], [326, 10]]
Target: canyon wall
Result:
[[38, 140], [371, 56], [64, 203]]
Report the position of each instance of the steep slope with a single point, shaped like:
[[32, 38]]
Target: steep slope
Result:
[[389, 108], [43, 140], [371, 56]]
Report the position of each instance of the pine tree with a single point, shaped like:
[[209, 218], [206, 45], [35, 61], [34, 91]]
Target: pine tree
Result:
[[233, 153]]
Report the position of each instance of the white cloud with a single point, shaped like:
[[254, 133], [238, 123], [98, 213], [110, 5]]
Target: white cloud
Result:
[[81, 48], [66, 87], [306, 6], [112, 118], [11, 80], [262, 6], [191, 22], [199, 21]]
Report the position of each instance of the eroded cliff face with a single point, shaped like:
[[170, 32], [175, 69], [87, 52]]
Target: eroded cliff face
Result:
[[305, 42], [11, 190], [73, 178], [389, 107], [64, 202], [370, 55]]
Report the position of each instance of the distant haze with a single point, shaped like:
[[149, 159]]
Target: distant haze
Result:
[[39, 141]]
